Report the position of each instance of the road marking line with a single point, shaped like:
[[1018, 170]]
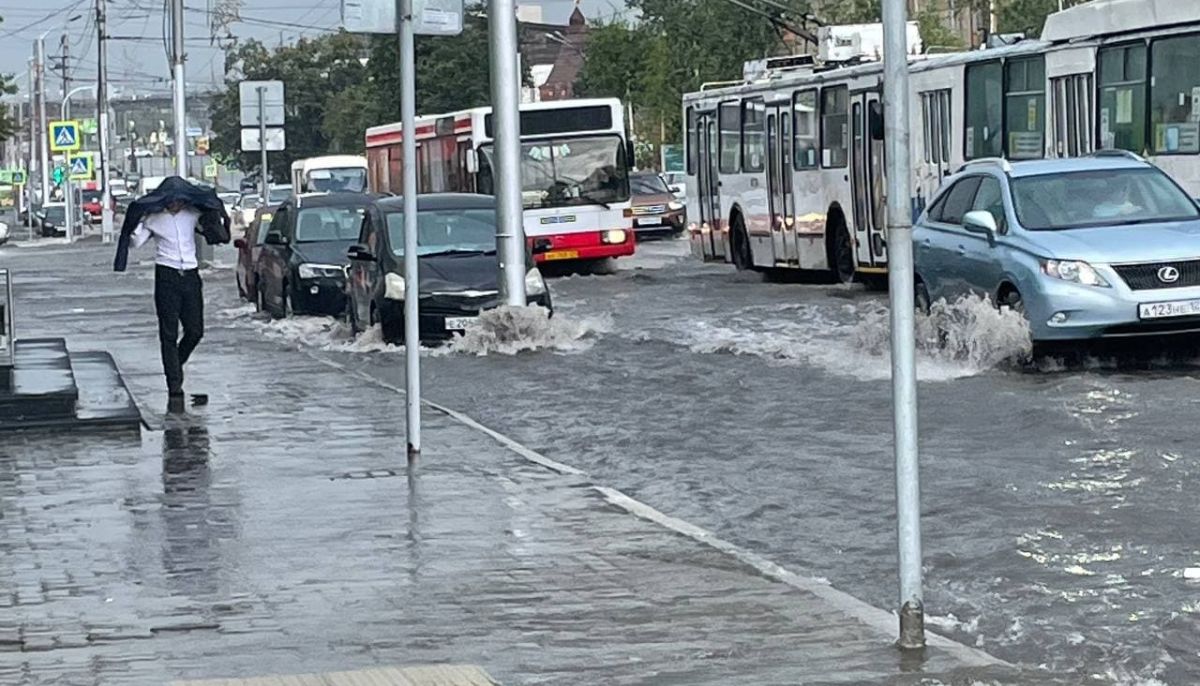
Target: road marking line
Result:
[[877, 618]]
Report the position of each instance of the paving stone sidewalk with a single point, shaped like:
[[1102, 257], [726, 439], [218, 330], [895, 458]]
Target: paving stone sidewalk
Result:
[[279, 530]]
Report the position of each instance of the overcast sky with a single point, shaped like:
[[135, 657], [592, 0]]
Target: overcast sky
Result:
[[137, 58]]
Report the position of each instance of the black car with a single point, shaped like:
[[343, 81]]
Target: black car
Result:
[[459, 270], [302, 266]]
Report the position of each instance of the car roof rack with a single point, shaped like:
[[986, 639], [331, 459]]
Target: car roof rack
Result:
[[1004, 164], [1116, 152]]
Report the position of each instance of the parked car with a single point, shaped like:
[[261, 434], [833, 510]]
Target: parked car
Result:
[[302, 265], [91, 204], [459, 273], [1100, 246], [52, 219], [655, 209], [249, 247], [277, 194], [245, 209], [230, 198]]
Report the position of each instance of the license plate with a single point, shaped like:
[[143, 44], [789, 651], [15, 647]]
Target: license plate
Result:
[[561, 255], [459, 323], [1175, 308], [647, 222]]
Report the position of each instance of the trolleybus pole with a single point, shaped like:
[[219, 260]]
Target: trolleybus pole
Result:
[[506, 93], [412, 289]]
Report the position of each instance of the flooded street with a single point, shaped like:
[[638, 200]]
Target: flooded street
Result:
[[1057, 503]]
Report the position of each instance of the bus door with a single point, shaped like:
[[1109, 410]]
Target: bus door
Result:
[[866, 177], [779, 182], [708, 195]]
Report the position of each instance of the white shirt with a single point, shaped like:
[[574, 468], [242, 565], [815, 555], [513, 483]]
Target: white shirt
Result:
[[174, 237]]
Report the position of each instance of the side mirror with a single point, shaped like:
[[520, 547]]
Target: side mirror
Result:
[[980, 221], [674, 189], [239, 243], [875, 120], [359, 252], [274, 238]]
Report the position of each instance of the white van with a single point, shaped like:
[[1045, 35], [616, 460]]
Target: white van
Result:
[[331, 173]]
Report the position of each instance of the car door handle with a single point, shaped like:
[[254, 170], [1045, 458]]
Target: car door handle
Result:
[[962, 250], [928, 242]]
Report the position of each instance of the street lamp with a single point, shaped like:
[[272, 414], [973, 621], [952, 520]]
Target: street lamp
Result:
[[68, 196], [65, 110]]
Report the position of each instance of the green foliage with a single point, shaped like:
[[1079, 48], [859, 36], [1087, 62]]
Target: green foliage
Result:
[[1027, 16], [8, 125], [934, 32]]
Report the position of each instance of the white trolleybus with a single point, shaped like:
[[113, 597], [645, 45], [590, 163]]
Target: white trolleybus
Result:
[[574, 171], [788, 163], [330, 174]]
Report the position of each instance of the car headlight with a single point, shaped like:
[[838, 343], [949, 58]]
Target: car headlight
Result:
[[316, 271], [393, 286], [534, 283], [1074, 271], [613, 237], [674, 206]]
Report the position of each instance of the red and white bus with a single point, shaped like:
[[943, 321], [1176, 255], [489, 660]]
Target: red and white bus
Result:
[[574, 171]]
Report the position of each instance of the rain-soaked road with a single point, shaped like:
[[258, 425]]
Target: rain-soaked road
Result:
[[1059, 506]]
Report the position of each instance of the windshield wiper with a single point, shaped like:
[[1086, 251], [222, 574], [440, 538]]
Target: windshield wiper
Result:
[[458, 251], [594, 200]]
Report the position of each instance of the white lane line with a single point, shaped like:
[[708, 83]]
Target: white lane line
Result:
[[878, 619]]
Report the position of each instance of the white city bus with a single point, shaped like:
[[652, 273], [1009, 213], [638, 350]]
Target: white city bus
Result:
[[788, 165], [330, 173], [574, 171]]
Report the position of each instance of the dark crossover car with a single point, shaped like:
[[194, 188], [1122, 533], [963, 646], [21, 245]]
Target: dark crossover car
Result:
[[302, 267], [458, 267], [249, 248], [655, 208]]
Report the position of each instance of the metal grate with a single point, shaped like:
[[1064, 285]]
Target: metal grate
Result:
[[649, 209], [1149, 276]]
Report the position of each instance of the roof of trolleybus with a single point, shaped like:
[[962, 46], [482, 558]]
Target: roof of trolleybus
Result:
[[479, 120], [1098, 21]]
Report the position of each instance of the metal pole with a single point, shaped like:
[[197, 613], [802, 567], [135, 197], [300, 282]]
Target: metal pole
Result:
[[106, 213], [33, 153], [412, 282], [506, 113], [44, 126], [68, 197], [179, 85], [901, 292], [262, 143]]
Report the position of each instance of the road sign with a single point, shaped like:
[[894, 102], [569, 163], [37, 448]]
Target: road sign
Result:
[[81, 167], [275, 140], [210, 170], [19, 178], [64, 136], [430, 17], [272, 102], [5, 177]]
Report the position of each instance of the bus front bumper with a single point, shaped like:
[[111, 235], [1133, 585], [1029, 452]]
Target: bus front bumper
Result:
[[585, 245]]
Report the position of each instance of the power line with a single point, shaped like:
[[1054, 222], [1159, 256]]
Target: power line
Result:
[[43, 20]]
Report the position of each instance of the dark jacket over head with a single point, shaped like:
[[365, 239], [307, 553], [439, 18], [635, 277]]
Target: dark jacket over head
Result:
[[213, 224]]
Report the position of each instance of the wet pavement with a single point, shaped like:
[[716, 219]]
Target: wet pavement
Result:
[[278, 530]]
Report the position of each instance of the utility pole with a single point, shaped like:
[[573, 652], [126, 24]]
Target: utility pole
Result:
[[178, 86], [64, 67], [43, 125], [506, 113], [412, 282], [901, 289], [33, 141], [106, 213]]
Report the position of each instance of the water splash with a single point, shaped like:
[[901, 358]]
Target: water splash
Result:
[[509, 330]]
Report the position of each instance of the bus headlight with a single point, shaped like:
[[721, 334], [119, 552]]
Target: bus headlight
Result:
[[613, 237], [534, 283], [393, 286]]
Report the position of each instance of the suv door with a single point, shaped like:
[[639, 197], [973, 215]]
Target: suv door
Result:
[[362, 276], [939, 241], [272, 263], [979, 255]]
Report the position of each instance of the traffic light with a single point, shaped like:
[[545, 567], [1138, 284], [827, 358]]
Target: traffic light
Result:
[[57, 175]]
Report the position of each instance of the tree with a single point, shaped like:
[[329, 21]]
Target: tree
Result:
[[1027, 16], [8, 127]]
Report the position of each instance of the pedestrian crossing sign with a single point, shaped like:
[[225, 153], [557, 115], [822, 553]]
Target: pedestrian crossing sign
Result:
[[81, 167], [18, 177], [64, 136]]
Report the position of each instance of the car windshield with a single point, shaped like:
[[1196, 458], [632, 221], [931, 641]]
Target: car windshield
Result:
[[648, 184], [278, 194], [1099, 197], [249, 200], [447, 231], [562, 172], [91, 196], [347, 179], [314, 224], [56, 213]]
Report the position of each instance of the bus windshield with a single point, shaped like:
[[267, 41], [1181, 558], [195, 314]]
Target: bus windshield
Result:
[[563, 172], [346, 179]]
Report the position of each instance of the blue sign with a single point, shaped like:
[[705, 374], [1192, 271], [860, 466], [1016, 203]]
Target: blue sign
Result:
[[64, 136]]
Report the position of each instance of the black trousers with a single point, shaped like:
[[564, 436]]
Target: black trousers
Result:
[[178, 299]]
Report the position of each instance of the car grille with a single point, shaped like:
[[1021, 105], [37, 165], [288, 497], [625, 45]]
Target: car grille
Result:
[[649, 209], [1144, 277]]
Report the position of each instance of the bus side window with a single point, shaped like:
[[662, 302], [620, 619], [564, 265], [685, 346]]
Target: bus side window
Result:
[[982, 135], [834, 121], [753, 134], [804, 129], [692, 141], [730, 129]]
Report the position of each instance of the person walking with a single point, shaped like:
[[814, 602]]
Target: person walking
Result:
[[170, 216]]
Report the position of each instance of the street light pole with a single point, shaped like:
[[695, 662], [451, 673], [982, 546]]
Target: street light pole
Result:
[[68, 196], [901, 289], [106, 213], [43, 125], [178, 86], [506, 113], [412, 281]]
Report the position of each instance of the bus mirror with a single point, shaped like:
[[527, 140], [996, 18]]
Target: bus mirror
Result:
[[875, 121], [472, 161]]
